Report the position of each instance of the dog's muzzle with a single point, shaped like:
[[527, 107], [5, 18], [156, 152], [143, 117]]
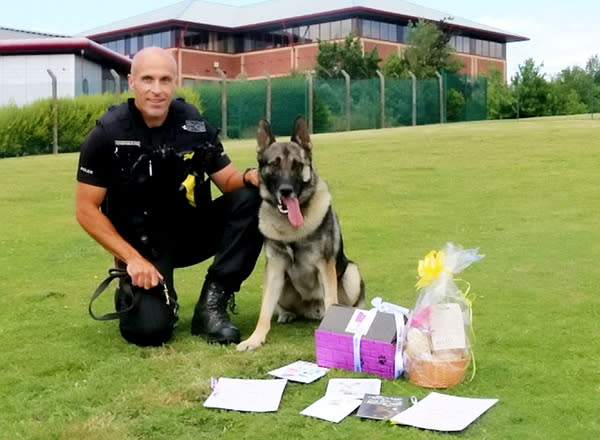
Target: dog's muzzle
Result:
[[281, 206]]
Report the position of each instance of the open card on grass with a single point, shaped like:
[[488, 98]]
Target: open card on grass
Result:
[[441, 412], [379, 407], [252, 395], [300, 371], [341, 398], [353, 388]]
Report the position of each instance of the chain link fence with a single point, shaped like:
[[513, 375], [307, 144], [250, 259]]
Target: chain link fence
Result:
[[339, 105], [59, 124]]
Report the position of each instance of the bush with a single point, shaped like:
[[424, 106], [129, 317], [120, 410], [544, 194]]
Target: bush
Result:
[[455, 106], [29, 129]]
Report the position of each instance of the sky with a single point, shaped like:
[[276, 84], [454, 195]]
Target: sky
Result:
[[562, 33]]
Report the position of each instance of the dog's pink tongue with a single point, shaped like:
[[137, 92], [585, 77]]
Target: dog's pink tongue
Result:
[[294, 213]]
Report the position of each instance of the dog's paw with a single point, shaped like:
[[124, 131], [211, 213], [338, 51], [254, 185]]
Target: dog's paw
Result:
[[316, 313], [252, 343], [284, 317]]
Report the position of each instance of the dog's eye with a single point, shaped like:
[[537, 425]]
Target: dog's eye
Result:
[[297, 166], [275, 162]]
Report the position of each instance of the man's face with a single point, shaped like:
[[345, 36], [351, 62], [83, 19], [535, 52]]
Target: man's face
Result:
[[152, 79]]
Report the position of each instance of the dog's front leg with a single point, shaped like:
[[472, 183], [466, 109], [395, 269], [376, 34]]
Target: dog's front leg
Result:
[[273, 285], [328, 276]]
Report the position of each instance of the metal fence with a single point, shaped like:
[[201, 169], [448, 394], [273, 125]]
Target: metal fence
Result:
[[60, 123], [342, 104]]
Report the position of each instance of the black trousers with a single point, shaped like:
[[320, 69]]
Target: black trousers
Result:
[[226, 230]]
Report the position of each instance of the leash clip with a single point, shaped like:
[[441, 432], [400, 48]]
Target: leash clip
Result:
[[166, 292]]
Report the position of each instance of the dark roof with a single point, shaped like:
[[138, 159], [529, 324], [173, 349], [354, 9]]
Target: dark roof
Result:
[[21, 34], [278, 11], [79, 46]]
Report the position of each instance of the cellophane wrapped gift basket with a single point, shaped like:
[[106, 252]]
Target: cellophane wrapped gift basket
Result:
[[438, 346]]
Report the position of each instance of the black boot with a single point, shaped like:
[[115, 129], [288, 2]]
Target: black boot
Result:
[[211, 320]]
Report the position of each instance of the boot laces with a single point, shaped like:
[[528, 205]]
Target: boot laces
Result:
[[231, 304]]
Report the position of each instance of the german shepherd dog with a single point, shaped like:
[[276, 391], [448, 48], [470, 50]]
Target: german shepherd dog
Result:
[[306, 268]]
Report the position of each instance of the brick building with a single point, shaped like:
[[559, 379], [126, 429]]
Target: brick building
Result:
[[276, 37]]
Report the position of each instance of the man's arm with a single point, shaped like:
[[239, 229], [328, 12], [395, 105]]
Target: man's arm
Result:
[[87, 208], [229, 179]]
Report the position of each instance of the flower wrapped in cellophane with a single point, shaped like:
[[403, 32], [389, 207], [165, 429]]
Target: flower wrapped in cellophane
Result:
[[438, 344]]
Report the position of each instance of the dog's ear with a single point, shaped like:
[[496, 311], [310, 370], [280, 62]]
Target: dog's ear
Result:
[[264, 136], [300, 133]]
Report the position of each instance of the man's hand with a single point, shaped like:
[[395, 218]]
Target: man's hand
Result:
[[143, 273], [251, 176], [87, 206]]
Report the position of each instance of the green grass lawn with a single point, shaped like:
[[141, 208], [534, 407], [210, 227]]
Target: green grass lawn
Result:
[[526, 192]]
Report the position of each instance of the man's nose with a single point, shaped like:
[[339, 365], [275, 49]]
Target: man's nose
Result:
[[155, 86]]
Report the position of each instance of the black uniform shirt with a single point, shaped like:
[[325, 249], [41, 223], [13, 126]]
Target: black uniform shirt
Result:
[[97, 157], [143, 168]]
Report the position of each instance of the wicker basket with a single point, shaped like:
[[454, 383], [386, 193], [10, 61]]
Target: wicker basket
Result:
[[436, 373]]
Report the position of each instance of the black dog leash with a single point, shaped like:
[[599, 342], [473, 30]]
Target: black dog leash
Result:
[[122, 273]]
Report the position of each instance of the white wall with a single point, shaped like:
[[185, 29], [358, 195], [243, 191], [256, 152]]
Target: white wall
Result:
[[24, 78], [90, 71]]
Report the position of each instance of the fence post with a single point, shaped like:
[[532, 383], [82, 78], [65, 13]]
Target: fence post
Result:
[[347, 78], [441, 96], [517, 96], [223, 100], [309, 79], [414, 97], [268, 98], [117, 79], [381, 97], [54, 112]]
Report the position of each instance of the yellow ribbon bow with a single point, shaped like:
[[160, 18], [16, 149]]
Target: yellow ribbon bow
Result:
[[429, 268]]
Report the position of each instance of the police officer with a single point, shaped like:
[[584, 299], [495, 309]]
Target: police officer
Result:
[[141, 194]]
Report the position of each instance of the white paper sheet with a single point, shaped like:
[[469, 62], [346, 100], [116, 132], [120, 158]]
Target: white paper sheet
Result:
[[331, 408], [341, 398], [252, 395], [441, 412], [300, 371]]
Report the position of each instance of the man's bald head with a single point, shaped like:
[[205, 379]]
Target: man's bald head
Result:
[[153, 54], [153, 80]]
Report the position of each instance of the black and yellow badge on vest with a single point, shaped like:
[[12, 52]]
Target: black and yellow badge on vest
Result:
[[189, 183]]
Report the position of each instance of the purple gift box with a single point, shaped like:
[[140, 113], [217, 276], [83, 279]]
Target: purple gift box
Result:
[[335, 342]]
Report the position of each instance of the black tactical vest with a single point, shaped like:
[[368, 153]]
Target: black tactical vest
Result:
[[145, 195]]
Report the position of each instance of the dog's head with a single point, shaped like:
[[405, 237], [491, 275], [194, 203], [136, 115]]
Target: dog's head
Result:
[[287, 177]]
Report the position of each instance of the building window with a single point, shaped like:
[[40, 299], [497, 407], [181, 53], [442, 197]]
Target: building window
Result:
[[347, 27], [147, 40], [196, 39], [485, 48], [496, 49], [133, 45]]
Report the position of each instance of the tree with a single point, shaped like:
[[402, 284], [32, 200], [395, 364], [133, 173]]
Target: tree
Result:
[[592, 68], [394, 67], [334, 57], [532, 90], [573, 90], [429, 50], [500, 98]]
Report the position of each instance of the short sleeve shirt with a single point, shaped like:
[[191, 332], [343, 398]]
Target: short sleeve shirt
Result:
[[143, 168]]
